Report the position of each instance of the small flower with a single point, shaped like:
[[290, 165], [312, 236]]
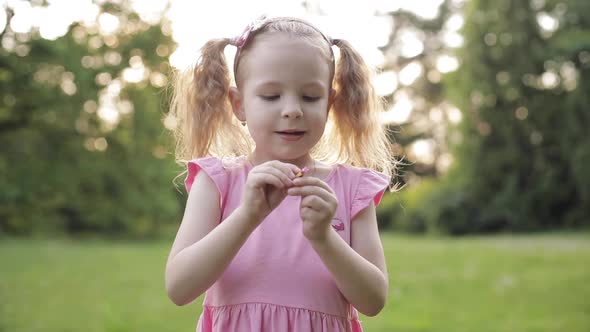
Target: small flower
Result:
[[302, 172]]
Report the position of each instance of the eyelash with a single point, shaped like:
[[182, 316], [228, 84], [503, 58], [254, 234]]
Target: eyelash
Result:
[[308, 99], [311, 99]]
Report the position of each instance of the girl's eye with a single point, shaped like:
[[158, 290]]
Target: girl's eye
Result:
[[270, 97], [311, 99]]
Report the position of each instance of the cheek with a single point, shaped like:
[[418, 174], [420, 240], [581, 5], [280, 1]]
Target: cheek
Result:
[[318, 122], [321, 114], [258, 128], [258, 124]]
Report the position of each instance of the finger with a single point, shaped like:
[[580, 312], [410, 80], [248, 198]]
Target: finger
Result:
[[307, 190], [289, 169], [315, 203], [312, 191], [310, 214], [280, 174], [261, 179], [312, 181]]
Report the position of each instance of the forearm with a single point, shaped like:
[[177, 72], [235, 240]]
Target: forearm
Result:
[[361, 282], [194, 269]]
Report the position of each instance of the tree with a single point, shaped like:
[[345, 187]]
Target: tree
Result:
[[420, 52], [523, 89], [83, 145]]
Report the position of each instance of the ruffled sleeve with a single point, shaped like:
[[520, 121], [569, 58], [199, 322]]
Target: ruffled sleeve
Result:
[[213, 167], [371, 187]]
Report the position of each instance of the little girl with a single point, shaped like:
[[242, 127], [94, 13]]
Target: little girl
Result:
[[280, 228]]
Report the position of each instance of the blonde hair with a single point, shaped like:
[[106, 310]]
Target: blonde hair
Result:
[[206, 125]]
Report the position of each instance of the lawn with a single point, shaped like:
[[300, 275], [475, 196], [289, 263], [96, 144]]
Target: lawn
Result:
[[524, 283]]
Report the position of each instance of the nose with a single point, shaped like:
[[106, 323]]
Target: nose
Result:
[[292, 109]]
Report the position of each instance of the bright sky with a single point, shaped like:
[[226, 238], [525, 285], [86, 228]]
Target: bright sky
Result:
[[365, 24]]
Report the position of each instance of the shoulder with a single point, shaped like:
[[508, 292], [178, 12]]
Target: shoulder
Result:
[[219, 170], [218, 164], [361, 185], [357, 175]]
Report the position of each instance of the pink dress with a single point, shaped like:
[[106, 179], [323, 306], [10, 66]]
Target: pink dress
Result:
[[277, 282]]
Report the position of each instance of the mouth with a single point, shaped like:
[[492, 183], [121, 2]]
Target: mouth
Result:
[[291, 132], [291, 135]]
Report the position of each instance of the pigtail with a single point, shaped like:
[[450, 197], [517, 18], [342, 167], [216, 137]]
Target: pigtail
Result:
[[361, 137], [205, 124]]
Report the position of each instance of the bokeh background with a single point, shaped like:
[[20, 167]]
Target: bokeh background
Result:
[[487, 107]]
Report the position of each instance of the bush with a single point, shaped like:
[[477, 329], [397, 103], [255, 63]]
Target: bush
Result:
[[524, 154]]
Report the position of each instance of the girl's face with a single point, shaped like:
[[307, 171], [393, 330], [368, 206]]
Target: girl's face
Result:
[[284, 96]]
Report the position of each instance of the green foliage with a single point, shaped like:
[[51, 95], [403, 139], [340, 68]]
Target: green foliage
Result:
[[524, 95], [63, 168], [404, 210], [521, 163], [435, 207], [425, 93]]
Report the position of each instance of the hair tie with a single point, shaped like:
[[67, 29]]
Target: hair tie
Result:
[[241, 40]]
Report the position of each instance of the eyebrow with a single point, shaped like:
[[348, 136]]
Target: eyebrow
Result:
[[272, 84]]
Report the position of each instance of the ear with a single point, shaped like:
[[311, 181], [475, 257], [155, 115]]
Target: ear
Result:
[[331, 98], [235, 98]]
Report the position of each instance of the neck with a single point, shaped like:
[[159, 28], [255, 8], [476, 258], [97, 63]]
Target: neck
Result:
[[257, 158]]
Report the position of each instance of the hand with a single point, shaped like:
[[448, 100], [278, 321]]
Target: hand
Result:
[[317, 208], [266, 187]]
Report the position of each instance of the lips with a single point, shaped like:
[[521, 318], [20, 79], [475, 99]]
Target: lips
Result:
[[290, 135], [291, 132]]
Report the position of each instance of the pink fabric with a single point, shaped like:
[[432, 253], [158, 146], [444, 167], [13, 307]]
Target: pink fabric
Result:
[[277, 282]]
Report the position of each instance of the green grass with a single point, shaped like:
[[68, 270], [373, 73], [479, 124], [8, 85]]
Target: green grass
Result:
[[502, 283]]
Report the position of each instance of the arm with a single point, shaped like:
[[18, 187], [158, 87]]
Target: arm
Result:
[[203, 247], [359, 271]]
